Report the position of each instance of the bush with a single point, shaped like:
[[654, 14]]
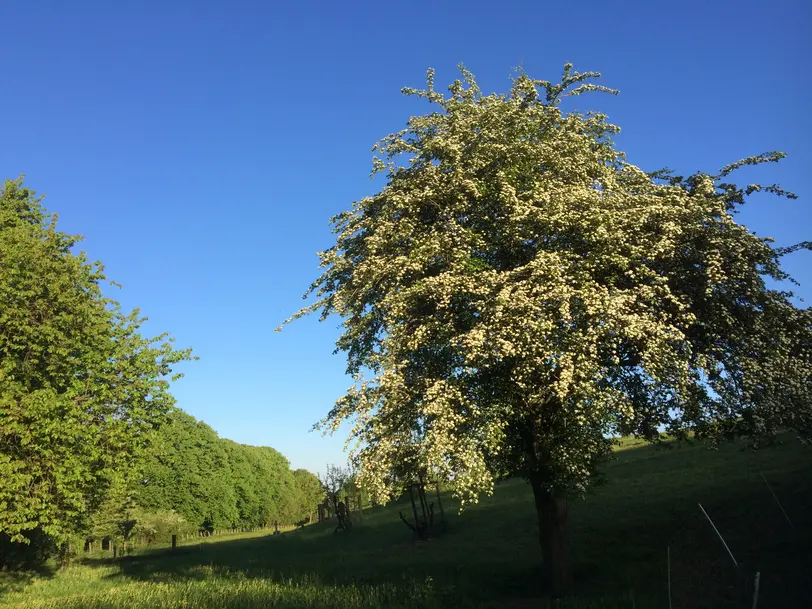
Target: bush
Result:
[[16, 556], [161, 525]]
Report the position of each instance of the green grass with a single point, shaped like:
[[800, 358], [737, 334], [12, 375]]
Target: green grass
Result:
[[489, 558]]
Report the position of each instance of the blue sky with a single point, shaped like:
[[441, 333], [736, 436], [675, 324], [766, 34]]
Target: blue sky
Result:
[[201, 147]]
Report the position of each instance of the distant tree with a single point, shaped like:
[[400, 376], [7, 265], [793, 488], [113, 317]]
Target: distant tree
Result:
[[249, 501], [117, 515], [160, 525], [517, 293], [80, 386], [187, 469], [310, 492], [213, 482], [274, 484], [334, 481]]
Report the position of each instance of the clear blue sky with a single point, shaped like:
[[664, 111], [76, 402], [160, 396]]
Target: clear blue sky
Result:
[[201, 147]]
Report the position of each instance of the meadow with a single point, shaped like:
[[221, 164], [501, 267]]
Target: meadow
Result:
[[644, 509]]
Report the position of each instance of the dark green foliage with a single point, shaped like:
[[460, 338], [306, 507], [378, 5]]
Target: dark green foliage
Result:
[[36, 548]]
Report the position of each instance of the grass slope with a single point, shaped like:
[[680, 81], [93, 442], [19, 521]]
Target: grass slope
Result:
[[490, 556]]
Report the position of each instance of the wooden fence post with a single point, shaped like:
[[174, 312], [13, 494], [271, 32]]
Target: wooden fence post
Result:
[[755, 589]]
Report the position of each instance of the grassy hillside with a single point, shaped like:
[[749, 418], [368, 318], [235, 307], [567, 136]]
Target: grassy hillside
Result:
[[621, 531]]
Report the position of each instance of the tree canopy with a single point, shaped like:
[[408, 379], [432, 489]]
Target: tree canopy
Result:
[[310, 492], [518, 293], [217, 483], [80, 386], [187, 469]]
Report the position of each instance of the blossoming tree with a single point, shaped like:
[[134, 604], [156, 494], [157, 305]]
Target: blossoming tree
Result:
[[518, 294]]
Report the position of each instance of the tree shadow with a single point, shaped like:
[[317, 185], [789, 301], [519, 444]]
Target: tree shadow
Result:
[[16, 581], [378, 551], [621, 532]]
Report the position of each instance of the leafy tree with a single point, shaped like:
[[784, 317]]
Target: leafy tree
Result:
[[212, 482], [117, 515], [80, 386], [187, 469], [249, 502], [274, 484], [310, 492], [160, 525], [518, 293], [334, 482]]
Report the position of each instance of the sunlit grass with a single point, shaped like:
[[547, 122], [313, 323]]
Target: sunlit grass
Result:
[[215, 590]]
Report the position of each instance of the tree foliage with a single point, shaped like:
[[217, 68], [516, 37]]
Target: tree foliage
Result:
[[310, 492], [518, 293], [206, 479], [117, 515], [80, 386], [187, 469], [91, 445], [335, 483]]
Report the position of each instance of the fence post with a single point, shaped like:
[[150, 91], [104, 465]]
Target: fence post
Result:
[[755, 589], [174, 541]]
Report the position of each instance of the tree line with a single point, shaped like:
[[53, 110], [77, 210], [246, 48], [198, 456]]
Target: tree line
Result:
[[92, 444], [189, 480]]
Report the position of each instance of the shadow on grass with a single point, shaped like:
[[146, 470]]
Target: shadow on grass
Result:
[[14, 581], [621, 533], [379, 551]]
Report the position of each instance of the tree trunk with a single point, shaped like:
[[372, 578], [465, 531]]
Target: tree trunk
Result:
[[423, 503], [414, 506], [551, 509], [440, 503]]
